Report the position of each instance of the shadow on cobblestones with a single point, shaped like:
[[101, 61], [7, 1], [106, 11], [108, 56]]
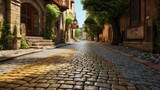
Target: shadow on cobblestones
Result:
[[36, 72]]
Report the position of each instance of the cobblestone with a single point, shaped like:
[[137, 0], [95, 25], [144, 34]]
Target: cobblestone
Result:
[[83, 66]]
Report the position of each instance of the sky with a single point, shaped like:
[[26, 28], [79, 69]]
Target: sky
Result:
[[80, 13]]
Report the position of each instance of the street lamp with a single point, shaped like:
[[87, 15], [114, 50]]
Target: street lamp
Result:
[[75, 22]]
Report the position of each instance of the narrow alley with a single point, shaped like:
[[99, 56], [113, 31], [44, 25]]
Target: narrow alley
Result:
[[80, 66]]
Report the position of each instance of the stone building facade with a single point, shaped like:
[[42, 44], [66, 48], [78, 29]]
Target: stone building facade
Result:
[[138, 26], [19, 12], [30, 16]]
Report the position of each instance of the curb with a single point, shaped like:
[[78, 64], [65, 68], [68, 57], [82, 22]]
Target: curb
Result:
[[61, 45], [133, 58], [12, 57]]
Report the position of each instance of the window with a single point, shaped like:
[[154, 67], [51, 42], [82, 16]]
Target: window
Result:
[[135, 12]]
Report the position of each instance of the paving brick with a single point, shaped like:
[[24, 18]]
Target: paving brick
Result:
[[54, 85], [60, 82], [30, 89], [29, 84], [5, 88], [89, 83], [51, 89], [119, 87], [91, 79], [21, 88], [40, 89], [3, 84], [12, 86], [42, 85], [102, 88], [51, 81], [78, 87], [63, 86], [70, 82], [99, 84], [90, 88], [79, 83], [41, 81]]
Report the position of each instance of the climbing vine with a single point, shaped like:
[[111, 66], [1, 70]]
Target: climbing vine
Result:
[[5, 35], [69, 19], [52, 14]]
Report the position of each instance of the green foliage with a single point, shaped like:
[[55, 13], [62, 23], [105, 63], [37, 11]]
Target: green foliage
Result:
[[91, 27], [78, 33], [52, 14], [24, 44], [6, 35], [107, 11], [69, 19]]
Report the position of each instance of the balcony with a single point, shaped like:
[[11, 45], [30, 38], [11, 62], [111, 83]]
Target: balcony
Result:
[[62, 4]]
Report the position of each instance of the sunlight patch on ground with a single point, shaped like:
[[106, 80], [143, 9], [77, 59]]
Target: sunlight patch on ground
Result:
[[39, 67]]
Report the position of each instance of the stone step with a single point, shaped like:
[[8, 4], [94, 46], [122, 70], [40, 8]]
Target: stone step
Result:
[[41, 40], [34, 37], [38, 42], [42, 44]]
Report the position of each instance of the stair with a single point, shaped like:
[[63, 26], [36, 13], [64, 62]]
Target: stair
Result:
[[39, 42]]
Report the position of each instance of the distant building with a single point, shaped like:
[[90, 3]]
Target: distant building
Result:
[[107, 33], [83, 34]]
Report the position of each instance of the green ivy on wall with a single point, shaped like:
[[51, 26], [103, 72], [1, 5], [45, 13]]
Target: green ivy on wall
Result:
[[69, 19], [6, 36], [52, 14]]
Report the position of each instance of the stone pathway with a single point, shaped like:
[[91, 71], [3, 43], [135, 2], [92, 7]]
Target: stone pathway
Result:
[[148, 56], [83, 66]]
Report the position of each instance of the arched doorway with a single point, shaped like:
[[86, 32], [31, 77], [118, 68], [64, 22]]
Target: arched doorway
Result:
[[27, 17]]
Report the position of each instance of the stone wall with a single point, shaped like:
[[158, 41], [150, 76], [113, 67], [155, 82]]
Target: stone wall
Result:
[[13, 15], [2, 9], [140, 36]]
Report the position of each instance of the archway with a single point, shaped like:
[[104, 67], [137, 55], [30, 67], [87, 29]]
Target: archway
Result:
[[28, 14]]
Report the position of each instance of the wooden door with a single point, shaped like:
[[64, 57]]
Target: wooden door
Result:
[[27, 17]]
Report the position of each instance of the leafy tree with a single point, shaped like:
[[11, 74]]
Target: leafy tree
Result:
[[92, 28], [52, 14], [78, 33], [107, 11]]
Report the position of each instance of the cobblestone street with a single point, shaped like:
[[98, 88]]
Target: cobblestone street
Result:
[[80, 66]]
